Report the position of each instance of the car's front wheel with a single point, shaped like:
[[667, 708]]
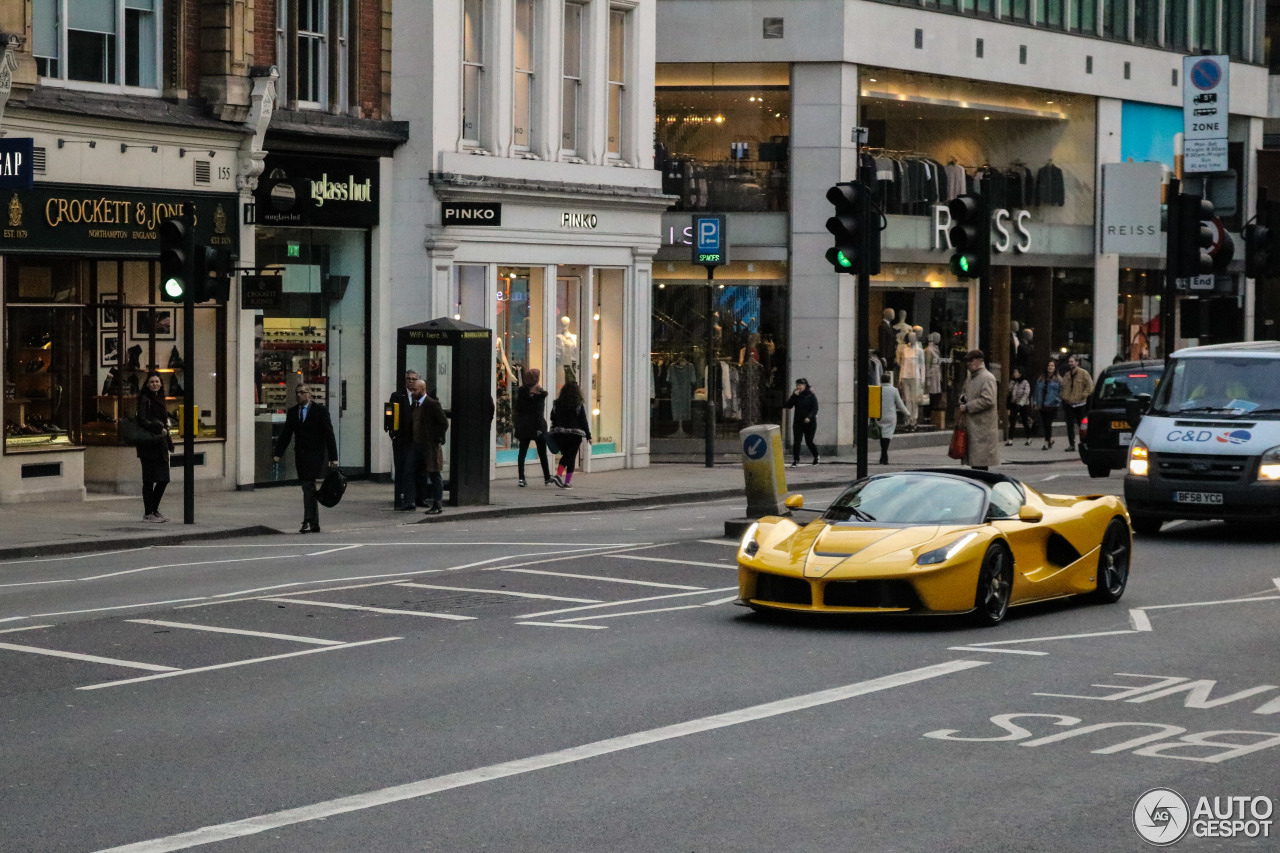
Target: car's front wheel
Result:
[[995, 584], [1113, 562]]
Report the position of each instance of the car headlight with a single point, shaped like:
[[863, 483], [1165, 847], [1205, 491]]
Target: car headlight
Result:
[[1270, 467], [1138, 459], [749, 544], [945, 552]]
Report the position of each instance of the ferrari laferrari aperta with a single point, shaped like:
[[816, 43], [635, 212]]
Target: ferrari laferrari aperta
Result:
[[946, 540]]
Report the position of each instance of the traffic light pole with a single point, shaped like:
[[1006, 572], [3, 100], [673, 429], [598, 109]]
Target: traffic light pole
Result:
[[1172, 249], [188, 367], [711, 362], [862, 327]]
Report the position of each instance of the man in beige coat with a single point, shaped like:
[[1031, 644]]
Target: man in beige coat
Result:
[[1077, 385], [981, 417]]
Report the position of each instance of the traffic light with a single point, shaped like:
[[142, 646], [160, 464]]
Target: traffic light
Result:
[[850, 225], [212, 275], [1262, 242], [1191, 236], [970, 235], [175, 252]]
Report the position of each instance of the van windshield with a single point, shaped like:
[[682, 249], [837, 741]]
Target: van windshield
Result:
[[1220, 386]]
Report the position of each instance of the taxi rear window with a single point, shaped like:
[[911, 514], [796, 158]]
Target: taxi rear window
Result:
[[1127, 384]]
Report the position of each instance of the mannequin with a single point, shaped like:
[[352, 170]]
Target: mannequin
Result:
[[683, 377], [901, 327], [887, 342], [912, 374], [567, 352], [933, 379], [1014, 341], [750, 381]]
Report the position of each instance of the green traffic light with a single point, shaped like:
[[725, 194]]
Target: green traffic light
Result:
[[964, 263], [843, 259], [173, 288]]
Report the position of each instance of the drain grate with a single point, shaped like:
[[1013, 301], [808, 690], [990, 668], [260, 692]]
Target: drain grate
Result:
[[454, 601]]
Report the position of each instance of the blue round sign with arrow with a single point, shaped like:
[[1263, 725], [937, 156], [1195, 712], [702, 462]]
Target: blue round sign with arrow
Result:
[[755, 446]]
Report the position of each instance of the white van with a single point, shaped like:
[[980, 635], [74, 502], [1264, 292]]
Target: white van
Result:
[[1209, 447]]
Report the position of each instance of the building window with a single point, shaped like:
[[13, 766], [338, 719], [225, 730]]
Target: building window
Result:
[[312, 75], [571, 90], [1233, 30], [311, 45], [979, 7], [1175, 24], [523, 96], [1146, 21], [112, 42], [1085, 16], [617, 81], [1052, 14], [1115, 24], [1207, 25], [1019, 10], [472, 68]]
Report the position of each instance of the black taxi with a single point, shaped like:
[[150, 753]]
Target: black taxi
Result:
[[1105, 432]]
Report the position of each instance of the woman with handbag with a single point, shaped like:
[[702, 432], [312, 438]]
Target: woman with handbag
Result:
[[531, 424], [569, 426], [153, 417]]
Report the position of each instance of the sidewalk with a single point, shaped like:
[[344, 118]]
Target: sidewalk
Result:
[[107, 522]]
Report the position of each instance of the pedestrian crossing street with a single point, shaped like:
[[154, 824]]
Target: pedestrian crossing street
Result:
[[571, 594]]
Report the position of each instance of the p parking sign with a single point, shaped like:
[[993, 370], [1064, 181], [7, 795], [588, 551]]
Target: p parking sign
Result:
[[710, 240]]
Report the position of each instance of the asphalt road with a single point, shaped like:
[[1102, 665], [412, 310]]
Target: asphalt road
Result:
[[582, 682]]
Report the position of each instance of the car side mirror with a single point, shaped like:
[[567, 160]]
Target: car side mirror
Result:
[[1029, 514], [795, 502], [1135, 408]]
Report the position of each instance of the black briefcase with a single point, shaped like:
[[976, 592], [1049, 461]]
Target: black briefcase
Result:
[[330, 491]]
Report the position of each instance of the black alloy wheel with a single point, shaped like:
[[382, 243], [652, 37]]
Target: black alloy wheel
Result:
[[995, 585], [1113, 563]]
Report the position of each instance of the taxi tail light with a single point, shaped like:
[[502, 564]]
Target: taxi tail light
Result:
[[1084, 428]]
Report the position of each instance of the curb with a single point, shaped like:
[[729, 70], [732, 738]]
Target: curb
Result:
[[88, 545]]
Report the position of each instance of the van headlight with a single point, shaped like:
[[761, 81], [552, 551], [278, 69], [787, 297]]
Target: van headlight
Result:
[[1270, 467], [1138, 458], [946, 552], [749, 544]]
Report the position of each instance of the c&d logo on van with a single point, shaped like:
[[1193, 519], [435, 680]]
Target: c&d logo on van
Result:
[[1236, 436]]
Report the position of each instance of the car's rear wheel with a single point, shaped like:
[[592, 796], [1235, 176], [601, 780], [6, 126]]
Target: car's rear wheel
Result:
[[1098, 470], [995, 584], [1147, 525], [1113, 563]]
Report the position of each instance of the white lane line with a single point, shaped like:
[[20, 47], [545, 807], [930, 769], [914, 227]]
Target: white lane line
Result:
[[189, 565], [69, 557], [392, 611], [601, 578], [23, 628], [12, 618], [333, 550], [733, 566], [623, 603], [235, 663], [731, 543], [233, 600], [131, 664], [1172, 524], [1207, 603], [315, 641], [1001, 651], [426, 787], [1276, 581], [1139, 620], [116, 607], [563, 625], [631, 613], [431, 544], [501, 592], [730, 600], [1046, 639]]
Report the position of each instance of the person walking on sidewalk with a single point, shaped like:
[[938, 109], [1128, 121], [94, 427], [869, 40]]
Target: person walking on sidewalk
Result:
[[315, 451], [429, 428], [569, 427], [1077, 385], [1047, 397], [402, 441], [890, 404], [531, 423], [981, 416], [804, 421], [153, 416], [1019, 405]]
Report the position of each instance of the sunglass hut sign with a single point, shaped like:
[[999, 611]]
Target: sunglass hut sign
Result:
[[318, 191]]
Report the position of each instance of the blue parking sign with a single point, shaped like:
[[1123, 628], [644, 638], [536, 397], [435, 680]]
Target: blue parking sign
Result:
[[710, 240]]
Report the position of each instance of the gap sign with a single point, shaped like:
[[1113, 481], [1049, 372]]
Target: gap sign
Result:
[[17, 164]]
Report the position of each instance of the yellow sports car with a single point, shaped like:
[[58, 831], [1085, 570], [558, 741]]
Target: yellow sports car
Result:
[[944, 540]]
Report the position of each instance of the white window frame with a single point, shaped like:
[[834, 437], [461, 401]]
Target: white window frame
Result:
[[478, 63], [62, 7], [525, 79], [618, 149], [571, 147], [328, 43]]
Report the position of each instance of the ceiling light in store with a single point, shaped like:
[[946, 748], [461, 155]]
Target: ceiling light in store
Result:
[[719, 119], [752, 98], [777, 115], [595, 317], [871, 79], [595, 355], [1048, 102], [986, 118], [661, 286], [595, 412]]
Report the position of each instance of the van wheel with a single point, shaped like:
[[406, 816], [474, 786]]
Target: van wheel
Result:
[[1098, 470], [1145, 524]]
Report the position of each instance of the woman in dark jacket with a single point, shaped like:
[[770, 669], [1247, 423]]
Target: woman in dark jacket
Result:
[[531, 424], [804, 422], [569, 426], [153, 416]]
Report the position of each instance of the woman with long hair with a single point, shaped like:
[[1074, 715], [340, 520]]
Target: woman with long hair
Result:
[[531, 423], [1047, 397], [569, 426], [153, 416]]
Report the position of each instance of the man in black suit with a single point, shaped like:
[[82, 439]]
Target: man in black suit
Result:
[[315, 446], [401, 442]]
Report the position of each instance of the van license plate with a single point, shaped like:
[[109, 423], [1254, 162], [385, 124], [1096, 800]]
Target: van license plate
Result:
[[1214, 498], [1124, 439]]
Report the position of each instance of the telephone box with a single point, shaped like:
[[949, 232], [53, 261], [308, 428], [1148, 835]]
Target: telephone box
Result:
[[455, 360]]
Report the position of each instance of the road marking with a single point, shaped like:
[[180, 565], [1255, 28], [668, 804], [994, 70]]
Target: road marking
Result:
[[90, 658], [1172, 524], [500, 592], [367, 609], [333, 550], [23, 628], [1050, 477], [235, 663], [669, 560], [431, 543], [116, 607], [979, 646], [1207, 603], [563, 625], [216, 630], [601, 578], [12, 618], [730, 600], [1139, 619], [1001, 651], [76, 556], [631, 613], [621, 603], [188, 565], [732, 544], [425, 787]]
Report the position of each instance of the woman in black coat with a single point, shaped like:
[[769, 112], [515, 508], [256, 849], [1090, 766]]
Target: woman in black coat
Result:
[[569, 427], [153, 416], [804, 422], [531, 424]]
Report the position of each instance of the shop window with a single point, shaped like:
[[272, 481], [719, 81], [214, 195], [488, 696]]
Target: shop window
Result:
[[569, 367], [618, 82], [1175, 24], [472, 69], [525, 57], [571, 85], [43, 331], [1115, 23], [113, 42], [607, 339], [519, 335], [471, 291]]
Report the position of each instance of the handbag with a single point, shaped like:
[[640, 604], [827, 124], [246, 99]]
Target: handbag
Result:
[[132, 433], [959, 444], [332, 489], [552, 445]]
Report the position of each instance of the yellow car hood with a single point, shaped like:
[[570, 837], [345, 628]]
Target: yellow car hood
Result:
[[822, 547]]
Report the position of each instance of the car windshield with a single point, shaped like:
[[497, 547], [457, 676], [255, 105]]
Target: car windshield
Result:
[[1220, 386], [1127, 384], [910, 499]]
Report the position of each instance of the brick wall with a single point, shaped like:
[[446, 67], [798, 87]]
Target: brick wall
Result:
[[264, 32], [369, 67]]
